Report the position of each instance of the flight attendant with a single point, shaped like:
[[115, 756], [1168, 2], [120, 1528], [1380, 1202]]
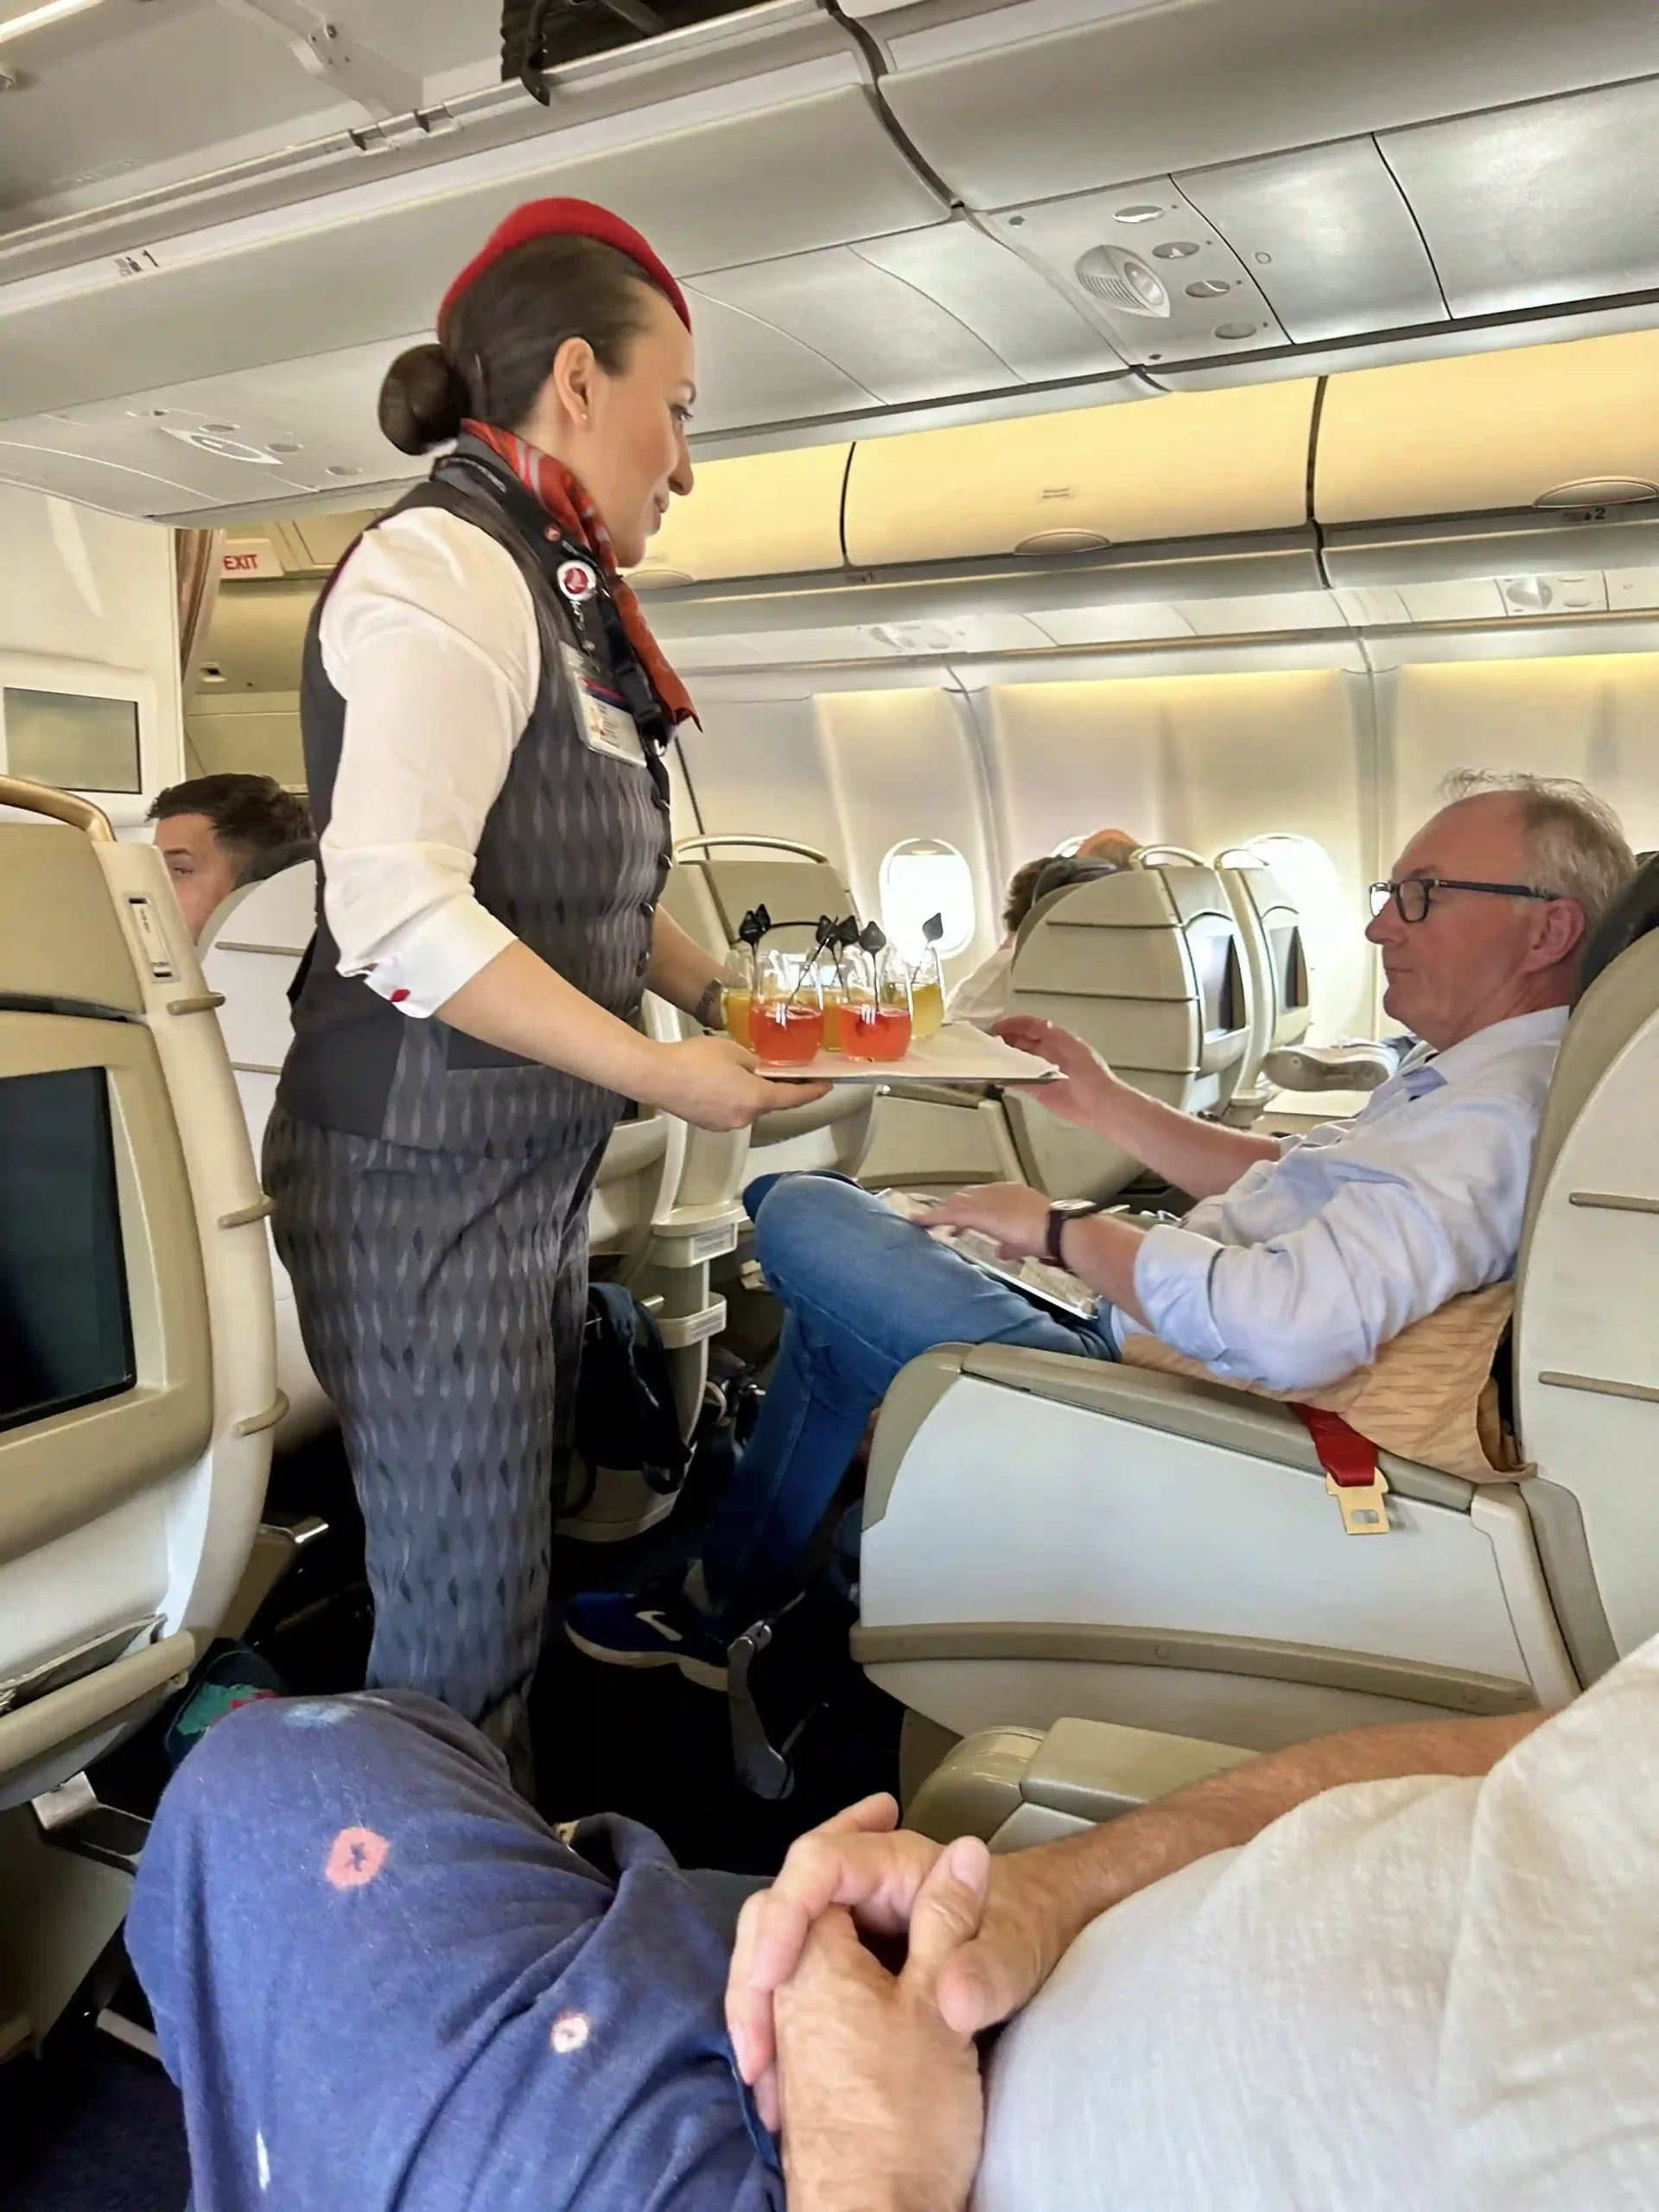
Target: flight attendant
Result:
[[485, 715]]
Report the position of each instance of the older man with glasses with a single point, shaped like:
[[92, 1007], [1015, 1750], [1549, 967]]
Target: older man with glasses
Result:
[[1298, 1259]]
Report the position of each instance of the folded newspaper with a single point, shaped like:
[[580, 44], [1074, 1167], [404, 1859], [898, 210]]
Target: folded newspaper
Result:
[[1053, 1286]]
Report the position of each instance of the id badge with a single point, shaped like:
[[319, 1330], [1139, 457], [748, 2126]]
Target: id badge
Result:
[[606, 724]]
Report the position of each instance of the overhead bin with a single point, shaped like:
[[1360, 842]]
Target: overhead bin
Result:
[[1562, 427], [1015, 103], [769, 514], [1212, 464]]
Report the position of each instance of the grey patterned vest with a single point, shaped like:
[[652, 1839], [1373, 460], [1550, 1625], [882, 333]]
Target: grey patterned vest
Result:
[[572, 859]]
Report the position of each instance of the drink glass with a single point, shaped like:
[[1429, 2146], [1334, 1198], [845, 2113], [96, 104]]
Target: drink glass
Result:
[[882, 1017], [786, 1011], [927, 994], [737, 992]]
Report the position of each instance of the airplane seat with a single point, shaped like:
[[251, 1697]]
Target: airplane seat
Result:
[[250, 949], [1016, 1787], [1280, 1003], [139, 1391], [1169, 1557], [1145, 964], [665, 1207]]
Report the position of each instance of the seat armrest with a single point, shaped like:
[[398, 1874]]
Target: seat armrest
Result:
[[1329, 1067], [1011, 1785], [1210, 1412]]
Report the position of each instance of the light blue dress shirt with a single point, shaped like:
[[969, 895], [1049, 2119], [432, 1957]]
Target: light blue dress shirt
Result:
[[1298, 1272]]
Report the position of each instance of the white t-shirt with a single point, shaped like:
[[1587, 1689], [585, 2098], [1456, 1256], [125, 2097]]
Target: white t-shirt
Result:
[[982, 997], [1429, 1995]]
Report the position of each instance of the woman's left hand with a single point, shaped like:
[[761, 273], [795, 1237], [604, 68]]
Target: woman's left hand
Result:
[[1014, 1215]]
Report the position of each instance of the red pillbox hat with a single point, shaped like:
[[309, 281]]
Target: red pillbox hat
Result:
[[575, 218]]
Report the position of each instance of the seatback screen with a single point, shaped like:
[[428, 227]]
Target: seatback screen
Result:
[[65, 1332]]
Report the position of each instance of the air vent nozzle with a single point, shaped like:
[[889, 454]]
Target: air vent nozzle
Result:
[[1124, 281]]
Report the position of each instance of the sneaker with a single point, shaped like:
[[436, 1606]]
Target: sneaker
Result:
[[659, 1628]]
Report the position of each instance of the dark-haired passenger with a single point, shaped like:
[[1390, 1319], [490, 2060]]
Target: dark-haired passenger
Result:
[[216, 833]]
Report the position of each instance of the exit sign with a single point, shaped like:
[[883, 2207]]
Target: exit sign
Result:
[[247, 558]]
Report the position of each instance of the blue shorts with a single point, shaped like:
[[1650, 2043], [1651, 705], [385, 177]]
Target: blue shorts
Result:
[[380, 1980]]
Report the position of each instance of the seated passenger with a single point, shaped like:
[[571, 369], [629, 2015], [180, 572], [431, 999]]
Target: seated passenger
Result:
[[216, 833], [982, 997], [1302, 1257], [1116, 847], [1401, 1968]]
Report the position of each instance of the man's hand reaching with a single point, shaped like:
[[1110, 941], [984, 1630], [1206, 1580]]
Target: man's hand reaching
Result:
[[1088, 1092]]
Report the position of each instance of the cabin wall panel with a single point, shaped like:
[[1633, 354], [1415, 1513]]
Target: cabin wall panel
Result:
[[1203, 762], [1593, 716], [79, 586], [758, 768], [906, 764]]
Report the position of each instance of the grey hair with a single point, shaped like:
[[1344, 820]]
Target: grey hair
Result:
[[1575, 843]]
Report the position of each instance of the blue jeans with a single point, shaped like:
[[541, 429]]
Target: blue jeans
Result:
[[863, 1294]]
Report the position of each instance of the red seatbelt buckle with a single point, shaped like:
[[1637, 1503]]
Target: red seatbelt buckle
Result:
[[1352, 1476]]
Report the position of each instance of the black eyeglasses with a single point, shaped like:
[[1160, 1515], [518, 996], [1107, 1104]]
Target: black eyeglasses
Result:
[[1411, 896]]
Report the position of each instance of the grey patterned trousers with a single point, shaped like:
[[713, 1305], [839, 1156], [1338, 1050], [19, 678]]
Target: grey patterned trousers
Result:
[[441, 1299]]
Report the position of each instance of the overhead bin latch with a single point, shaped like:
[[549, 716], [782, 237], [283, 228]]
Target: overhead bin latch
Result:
[[1352, 1476]]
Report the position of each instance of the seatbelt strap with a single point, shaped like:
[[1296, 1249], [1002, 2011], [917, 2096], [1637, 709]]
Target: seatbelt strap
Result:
[[1352, 1474]]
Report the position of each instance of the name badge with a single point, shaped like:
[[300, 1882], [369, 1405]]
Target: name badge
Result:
[[601, 714]]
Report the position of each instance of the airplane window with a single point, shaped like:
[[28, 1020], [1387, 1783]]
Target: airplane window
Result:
[[1309, 875], [921, 877]]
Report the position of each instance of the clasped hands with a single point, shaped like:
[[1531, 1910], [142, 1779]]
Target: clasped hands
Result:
[[858, 1983]]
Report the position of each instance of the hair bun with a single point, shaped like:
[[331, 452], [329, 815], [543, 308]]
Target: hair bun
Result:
[[424, 400]]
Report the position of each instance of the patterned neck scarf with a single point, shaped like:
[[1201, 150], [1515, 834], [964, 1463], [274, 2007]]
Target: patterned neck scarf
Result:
[[550, 483]]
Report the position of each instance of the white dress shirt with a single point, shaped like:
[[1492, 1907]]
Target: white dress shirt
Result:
[[982, 997], [430, 638], [1433, 1994], [1298, 1272]]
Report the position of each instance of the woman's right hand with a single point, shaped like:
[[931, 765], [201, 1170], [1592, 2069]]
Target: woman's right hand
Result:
[[714, 1082]]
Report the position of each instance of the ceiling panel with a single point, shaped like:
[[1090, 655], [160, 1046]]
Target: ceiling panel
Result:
[[1558, 201], [129, 453], [748, 372], [894, 340], [125, 89], [1056, 96], [368, 264], [1328, 237], [1632, 588], [1472, 600], [1112, 626], [1273, 612], [1015, 309], [1146, 241]]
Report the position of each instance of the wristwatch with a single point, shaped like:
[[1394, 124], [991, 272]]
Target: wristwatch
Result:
[[1061, 1211]]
